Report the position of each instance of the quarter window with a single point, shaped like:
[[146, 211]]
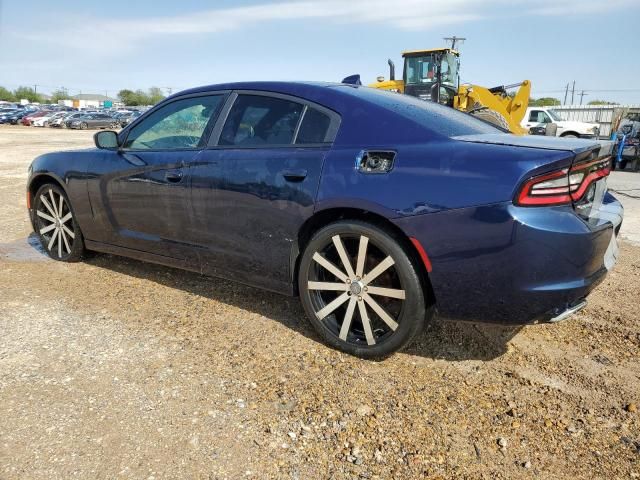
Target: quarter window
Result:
[[181, 124], [314, 127], [258, 120]]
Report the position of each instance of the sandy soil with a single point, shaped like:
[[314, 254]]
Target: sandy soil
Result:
[[113, 368]]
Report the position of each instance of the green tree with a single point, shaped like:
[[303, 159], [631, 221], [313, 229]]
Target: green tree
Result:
[[601, 102], [6, 95], [60, 94], [27, 93], [140, 97], [127, 97], [544, 102], [155, 95]]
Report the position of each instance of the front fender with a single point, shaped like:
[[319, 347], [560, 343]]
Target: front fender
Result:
[[69, 170]]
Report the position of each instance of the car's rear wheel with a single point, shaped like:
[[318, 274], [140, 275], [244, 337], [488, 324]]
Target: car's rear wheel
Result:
[[360, 289], [56, 226], [83, 126], [113, 125]]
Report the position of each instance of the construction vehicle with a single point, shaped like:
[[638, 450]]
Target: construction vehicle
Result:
[[434, 75]]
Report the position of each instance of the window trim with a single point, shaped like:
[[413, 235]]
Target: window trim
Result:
[[141, 118], [332, 131]]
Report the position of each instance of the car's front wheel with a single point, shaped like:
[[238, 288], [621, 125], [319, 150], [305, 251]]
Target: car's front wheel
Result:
[[360, 289], [56, 226]]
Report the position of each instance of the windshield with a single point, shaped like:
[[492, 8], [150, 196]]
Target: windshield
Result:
[[555, 115], [422, 69]]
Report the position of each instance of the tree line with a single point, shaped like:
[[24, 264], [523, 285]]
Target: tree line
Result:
[[134, 98], [153, 95], [554, 102], [129, 97]]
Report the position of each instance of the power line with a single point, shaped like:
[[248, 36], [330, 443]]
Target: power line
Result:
[[454, 40], [582, 94], [573, 89]]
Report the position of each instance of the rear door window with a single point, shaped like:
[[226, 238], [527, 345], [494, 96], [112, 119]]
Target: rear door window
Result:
[[256, 120]]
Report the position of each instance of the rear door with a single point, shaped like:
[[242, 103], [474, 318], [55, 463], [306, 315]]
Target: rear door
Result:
[[142, 195], [263, 168]]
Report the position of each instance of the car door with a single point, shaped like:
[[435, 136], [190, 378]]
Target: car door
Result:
[[263, 171], [141, 194], [101, 120]]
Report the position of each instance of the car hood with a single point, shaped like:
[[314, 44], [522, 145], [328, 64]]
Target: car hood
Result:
[[574, 145]]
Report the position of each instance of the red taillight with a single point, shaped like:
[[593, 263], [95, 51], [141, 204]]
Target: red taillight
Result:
[[563, 186]]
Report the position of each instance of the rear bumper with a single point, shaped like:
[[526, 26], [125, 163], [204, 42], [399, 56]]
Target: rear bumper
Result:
[[515, 265]]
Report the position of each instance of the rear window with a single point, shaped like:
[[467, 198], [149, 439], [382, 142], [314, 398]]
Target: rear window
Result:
[[445, 121]]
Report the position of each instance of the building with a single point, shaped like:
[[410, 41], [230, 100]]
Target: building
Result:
[[91, 100]]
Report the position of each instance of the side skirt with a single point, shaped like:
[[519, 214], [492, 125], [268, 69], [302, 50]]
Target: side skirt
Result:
[[277, 287]]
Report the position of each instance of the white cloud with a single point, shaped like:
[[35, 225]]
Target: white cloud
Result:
[[578, 7], [91, 34], [86, 33]]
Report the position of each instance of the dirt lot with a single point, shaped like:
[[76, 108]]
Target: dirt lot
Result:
[[117, 369]]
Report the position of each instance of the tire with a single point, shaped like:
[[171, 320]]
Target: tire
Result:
[[112, 126], [489, 116], [58, 232], [569, 135], [335, 304], [83, 126]]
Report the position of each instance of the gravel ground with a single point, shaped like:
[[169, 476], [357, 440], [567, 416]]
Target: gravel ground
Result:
[[113, 368]]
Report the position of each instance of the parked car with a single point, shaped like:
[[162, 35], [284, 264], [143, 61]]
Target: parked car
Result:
[[28, 119], [377, 209], [71, 117], [59, 120], [6, 113], [13, 118], [44, 120], [541, 116], [93, 120], [128, 118]]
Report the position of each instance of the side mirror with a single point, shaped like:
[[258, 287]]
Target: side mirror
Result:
[[106, 139]]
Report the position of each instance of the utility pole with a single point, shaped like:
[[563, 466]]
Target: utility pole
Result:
[[566, 91], [582, 94], [454, 40], [35, 89], [573, 90]]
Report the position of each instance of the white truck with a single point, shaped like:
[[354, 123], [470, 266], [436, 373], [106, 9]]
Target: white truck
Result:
[[542, 116]]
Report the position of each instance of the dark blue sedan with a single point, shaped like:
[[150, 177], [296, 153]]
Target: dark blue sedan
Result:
[[377, 209]]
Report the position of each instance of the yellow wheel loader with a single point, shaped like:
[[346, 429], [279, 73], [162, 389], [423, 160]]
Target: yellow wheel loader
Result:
[[433, 75]]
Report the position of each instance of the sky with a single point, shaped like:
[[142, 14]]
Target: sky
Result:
[[102, 47]]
